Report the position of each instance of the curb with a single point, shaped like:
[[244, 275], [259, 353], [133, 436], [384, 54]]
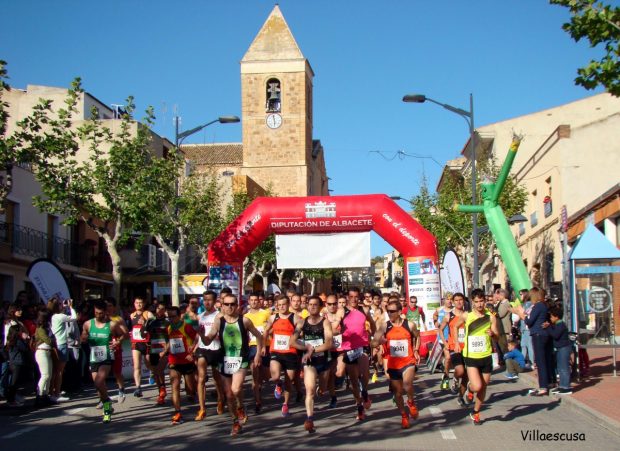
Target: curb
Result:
[[602, 420]]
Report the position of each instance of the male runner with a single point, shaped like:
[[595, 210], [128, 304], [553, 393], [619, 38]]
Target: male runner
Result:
[[209, 356], [480, 326], [139, 341], [233, 330], [401, 340], [117, 364], [283, 354], [296, 307], [459, 379], [181, 361], [158, 333], [337, 367], [103, 336], [378, 314], [354, 341], [260, 372], [438, 317], [316, 332]]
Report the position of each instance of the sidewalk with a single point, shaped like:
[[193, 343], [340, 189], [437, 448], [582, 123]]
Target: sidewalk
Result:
[[598, 393]]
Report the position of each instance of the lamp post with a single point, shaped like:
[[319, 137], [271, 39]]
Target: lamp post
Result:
[[179, 137], [469, 117]]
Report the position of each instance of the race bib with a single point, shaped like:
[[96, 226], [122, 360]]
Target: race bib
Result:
[[232, 364], [337, 341], [315, 343], [136, 334], [354, 354], [399, 348], [477, 343], [98, 353], [251, 336], [177, 346], [461, 336], [158, 343], [281, 342]]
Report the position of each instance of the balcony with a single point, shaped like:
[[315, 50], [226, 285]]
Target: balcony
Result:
[[16, 240]]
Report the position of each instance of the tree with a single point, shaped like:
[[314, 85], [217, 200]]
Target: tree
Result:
[[7, 144], [599, 23], [90, 173], [182, 216]]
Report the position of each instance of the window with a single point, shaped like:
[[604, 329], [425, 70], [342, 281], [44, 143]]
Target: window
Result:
[[521, 229], [534, 219], [273, 96]]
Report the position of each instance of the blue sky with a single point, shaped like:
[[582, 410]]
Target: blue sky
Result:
[[184, 56]]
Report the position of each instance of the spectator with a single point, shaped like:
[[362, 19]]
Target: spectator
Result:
[[502, 309], [12, 318], [526, 340], [559, 333], [515, 362], [540, 339], [59, 322], [44, 346], [17, 339]]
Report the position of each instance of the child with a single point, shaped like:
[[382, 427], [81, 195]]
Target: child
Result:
[[559, 332], [515, 362]]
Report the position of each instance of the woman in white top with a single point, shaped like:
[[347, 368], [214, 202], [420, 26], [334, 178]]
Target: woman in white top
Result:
[[60, 323]]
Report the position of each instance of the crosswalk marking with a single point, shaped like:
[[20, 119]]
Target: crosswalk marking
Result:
[[447, 434], [19, 432]]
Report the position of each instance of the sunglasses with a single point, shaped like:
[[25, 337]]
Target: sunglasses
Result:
[[331, 303], [229, 304], [393, 311]]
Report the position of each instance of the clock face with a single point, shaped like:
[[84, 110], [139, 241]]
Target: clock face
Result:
[[274, 120]]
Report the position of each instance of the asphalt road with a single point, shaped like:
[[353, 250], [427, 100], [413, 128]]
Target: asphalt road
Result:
[[140, 424]]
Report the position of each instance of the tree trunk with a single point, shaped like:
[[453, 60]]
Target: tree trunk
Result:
[[173, 255], [117, 274], [312, 282], [280, 273]]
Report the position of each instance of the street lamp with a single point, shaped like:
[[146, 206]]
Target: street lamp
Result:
[[179, 137], [469, 117]]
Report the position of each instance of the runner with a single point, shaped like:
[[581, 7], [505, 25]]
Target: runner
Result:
[[117, 364], [209, 356], [158, 333], [378, 314], [480, 326], [233, 330], [317, 341], [354, 342], [139, 341], [181, 340], [401, 340], [283, 353], [438, 317], [103, 336], [297, 309], [260, 372], [458, 383], [337, 367]]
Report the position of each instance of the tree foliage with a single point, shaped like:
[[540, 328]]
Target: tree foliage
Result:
[[599, 23]]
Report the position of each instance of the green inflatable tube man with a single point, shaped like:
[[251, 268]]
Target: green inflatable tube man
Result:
[[498, 225]]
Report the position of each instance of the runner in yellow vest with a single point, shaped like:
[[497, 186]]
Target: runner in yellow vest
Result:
[[480, 327]]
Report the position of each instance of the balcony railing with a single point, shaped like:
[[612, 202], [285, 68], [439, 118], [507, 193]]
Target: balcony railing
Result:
[[33, 243]]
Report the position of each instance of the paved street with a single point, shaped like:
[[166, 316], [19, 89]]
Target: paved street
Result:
[[139, 424]]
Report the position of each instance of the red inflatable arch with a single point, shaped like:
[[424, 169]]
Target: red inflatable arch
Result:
[[333, 214]]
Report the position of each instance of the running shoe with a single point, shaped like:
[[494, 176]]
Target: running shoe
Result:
[[220, 407], [309, 426], [475, 417], [333, 402], [360, 413], [454, 385], [257, 408], [285, 410], [511, 376], [241, 415], [236, 429], [445, 383], [201, 415], [277, 392], [460, 401], [367, 400], [539, 392], [137, 392], [563, 391], [121, 396], [107, 417], [161, 400], [469, 396], [404, 421], [62, 398], [374, 378], [413, 410], [152, 379], [177, 418]]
